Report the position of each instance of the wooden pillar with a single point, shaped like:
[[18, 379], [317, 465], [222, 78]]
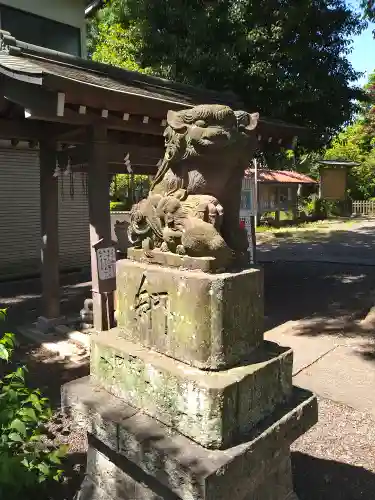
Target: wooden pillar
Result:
[[49, 216], [100, 221]]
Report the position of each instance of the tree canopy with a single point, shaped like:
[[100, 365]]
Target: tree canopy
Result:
[[357, 143], [368, 7], [283, 58]]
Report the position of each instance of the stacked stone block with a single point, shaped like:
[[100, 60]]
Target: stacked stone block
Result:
[[185, 399]]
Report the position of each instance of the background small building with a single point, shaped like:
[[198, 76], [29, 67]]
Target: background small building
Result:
[[334, 179], [277, 191]]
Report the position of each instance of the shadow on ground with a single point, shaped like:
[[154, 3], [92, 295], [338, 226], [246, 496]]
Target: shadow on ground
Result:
[[74, 472], [296, 291], [323, 299], [318, 479], [45, 371], [357, 241], [22, 298]]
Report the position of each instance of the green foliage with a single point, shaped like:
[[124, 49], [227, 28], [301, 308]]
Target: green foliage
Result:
[[368, 7], [283, 67], [27, 464], [315, 207], [118, 206], [357, 143], [127, 189], [115, 47]]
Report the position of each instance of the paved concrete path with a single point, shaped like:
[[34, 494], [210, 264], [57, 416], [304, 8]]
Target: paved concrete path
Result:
[[325, 281], [347, 242], [323, 312]]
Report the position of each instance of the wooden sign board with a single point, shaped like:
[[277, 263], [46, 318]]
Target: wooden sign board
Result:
[[333, 183], [106, 263], [249, 203]]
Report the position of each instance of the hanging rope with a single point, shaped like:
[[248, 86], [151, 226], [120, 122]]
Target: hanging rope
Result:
[[83, 184], [62, 187], [71, 190]]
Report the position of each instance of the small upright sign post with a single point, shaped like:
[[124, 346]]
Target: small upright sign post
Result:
[[254, 215], [106, 269]]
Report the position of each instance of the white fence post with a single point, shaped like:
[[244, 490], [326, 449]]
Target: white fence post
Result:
[[361, 207]]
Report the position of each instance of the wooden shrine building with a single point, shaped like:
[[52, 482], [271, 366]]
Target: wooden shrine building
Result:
[[95, 119]]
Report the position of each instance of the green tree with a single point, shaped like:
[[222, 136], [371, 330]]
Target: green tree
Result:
[[368, 7], [128, 189], [368, 109], [284, 58], [357, 143]]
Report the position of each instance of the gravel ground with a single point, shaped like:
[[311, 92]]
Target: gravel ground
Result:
[[335, 460]]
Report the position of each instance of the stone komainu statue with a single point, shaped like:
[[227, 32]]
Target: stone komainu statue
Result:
[[194, 202]]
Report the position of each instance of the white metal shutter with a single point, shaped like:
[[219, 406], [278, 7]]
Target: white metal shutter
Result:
[[19, 213], [20, 217], [74, 228]]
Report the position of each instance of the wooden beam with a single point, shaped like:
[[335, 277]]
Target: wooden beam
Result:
[[137, 169], [49, 217], [32, 97], [100, 221], [135, 101], [115, 153], [72, 135], [133, 123], [112, 122], [20, 129], [116, 168]]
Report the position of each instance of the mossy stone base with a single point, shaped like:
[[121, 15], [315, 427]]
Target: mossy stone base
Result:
[[141, 456], [212, 408], [211, 321]]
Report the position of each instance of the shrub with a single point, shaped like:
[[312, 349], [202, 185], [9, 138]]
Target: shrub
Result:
[[27, 463], [118, 205]]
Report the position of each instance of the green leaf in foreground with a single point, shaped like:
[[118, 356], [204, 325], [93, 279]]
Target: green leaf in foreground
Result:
[[4, 353], [19, 426]]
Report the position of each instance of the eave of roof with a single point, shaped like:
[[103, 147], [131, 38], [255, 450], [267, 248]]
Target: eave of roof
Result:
[[280, 176], [46, 61], [33, 64], [92, 6], [339, 163]]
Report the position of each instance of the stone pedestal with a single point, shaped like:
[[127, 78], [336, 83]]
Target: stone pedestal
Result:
[[211, 321], [212, 408], [185, 399], [132, 454]]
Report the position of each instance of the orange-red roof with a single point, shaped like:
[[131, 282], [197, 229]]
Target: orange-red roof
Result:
[[280, 176]]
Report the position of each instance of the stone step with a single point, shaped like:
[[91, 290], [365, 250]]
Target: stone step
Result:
[[211, 408], [132, 450]]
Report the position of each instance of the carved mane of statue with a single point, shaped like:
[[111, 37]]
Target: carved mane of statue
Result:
[[194, 202]]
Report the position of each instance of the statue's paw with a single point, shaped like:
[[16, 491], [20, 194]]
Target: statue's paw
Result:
[[164, 247], [147, 244], [180, 250]]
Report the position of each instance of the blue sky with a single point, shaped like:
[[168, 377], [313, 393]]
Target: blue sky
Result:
[[363, 55]]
